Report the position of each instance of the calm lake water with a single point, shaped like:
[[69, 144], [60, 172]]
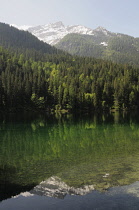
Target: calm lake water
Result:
[[69, 162]]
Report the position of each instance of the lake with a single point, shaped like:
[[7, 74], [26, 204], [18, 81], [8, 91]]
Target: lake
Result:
[[69, 162]]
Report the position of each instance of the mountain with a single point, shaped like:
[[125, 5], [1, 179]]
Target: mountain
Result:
[[103, 44], [54, 32], [82, 41]]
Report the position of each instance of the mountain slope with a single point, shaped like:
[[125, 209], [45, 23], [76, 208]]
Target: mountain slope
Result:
[[116, 47], [81, 45], [11, 37]]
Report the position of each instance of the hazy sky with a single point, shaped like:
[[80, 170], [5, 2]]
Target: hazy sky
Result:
[[115, 15]]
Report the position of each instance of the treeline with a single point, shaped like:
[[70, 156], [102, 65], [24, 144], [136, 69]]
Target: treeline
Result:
[[71, 83]]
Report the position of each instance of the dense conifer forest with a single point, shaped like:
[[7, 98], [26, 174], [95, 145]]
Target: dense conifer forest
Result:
[[72, 84], [44, 78]]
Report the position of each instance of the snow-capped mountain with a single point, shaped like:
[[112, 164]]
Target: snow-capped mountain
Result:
[[52, 33]]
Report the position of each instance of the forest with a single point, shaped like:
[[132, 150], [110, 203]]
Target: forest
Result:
[[67, 83]]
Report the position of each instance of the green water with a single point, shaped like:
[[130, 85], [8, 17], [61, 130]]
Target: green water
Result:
[[80, 150]]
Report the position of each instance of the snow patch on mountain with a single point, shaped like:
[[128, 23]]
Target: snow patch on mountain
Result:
[[104, 44], [24, 27], [80, 30]]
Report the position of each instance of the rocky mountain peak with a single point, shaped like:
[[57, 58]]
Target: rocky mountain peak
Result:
[[102, 30]]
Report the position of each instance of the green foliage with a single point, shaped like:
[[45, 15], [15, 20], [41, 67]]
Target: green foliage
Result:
[[34, 75], [82, 84]]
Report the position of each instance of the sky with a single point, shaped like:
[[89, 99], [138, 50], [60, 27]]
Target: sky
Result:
[[120, 16]]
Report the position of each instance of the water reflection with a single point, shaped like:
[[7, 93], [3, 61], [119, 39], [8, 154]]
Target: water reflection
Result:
[[102, 151]]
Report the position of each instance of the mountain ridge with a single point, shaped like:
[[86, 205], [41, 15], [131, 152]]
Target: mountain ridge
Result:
[[52, 33]]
